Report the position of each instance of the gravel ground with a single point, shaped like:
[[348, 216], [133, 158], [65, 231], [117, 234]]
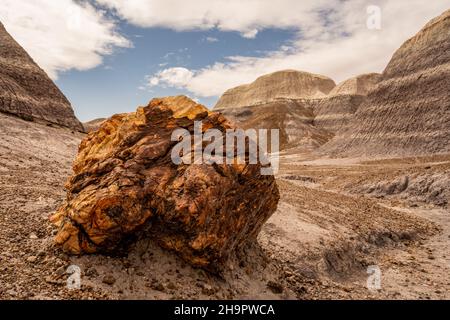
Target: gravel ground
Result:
[[318, 245]]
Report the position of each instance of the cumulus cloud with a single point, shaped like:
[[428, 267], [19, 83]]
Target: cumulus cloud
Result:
[[173, 77], [61, 35], [333, 40], [244, 16]]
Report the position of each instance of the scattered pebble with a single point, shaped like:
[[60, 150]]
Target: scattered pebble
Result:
[[32, 259], [109, 279], [275, 287]]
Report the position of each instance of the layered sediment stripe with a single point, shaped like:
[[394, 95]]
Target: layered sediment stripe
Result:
[[26, 90]]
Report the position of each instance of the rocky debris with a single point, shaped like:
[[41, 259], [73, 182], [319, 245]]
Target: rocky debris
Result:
[[286, 84], [27, 92], [275, 287], [93, 125], [125, 184], [109, 279], [408, 112]]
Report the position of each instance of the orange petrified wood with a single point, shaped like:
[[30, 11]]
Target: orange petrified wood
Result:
[[125, 184]]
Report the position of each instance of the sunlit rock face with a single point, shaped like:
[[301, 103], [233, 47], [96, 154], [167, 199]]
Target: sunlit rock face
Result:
[[285, 84], [126, 185]]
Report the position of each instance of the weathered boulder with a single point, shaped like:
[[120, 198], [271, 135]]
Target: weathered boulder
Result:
[[125, 184]]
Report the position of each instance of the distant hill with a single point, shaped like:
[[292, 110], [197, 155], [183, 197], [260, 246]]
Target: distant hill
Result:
[[307, 108], [408, 113], [286, 84], [335, 112], [27, 92]]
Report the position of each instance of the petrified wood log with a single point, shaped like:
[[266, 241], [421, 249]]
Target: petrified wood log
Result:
[[125, 184]]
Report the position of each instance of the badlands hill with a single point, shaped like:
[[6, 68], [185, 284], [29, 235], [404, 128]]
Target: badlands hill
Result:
[[307, 108], [408, 113], [286, 84], [27, 92], [334, 112]]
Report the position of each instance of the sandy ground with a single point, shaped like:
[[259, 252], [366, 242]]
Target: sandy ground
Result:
[[335, 219]]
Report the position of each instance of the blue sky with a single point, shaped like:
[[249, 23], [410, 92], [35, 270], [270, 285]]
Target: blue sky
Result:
[[110, 56], [119, 84]]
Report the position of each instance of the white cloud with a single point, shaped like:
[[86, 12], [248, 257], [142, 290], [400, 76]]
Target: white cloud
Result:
[[61, 35], [244, 16], [336, 42], [211, 39], [251, 34], [173, 77]]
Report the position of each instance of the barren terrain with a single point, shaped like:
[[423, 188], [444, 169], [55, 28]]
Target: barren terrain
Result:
[[335, 218]]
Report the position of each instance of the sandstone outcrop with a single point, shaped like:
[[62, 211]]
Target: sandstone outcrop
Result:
[[125, 185], [408, 112], [286, 84], [27, 92]]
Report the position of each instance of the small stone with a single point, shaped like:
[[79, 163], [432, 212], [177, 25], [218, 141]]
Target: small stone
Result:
[[32, 259], [60, 271], [158, 286], [33, 236], [208, 290], [92, 272], [109, 279], [171, 286], [275, 287], [12, 293]]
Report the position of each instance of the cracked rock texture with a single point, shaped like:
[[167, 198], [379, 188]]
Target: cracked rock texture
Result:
[[125, 185]]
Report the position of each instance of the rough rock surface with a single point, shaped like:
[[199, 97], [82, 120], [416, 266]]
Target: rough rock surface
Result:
[[26, 90], [286, 84], [125, 184], [409, 110]]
